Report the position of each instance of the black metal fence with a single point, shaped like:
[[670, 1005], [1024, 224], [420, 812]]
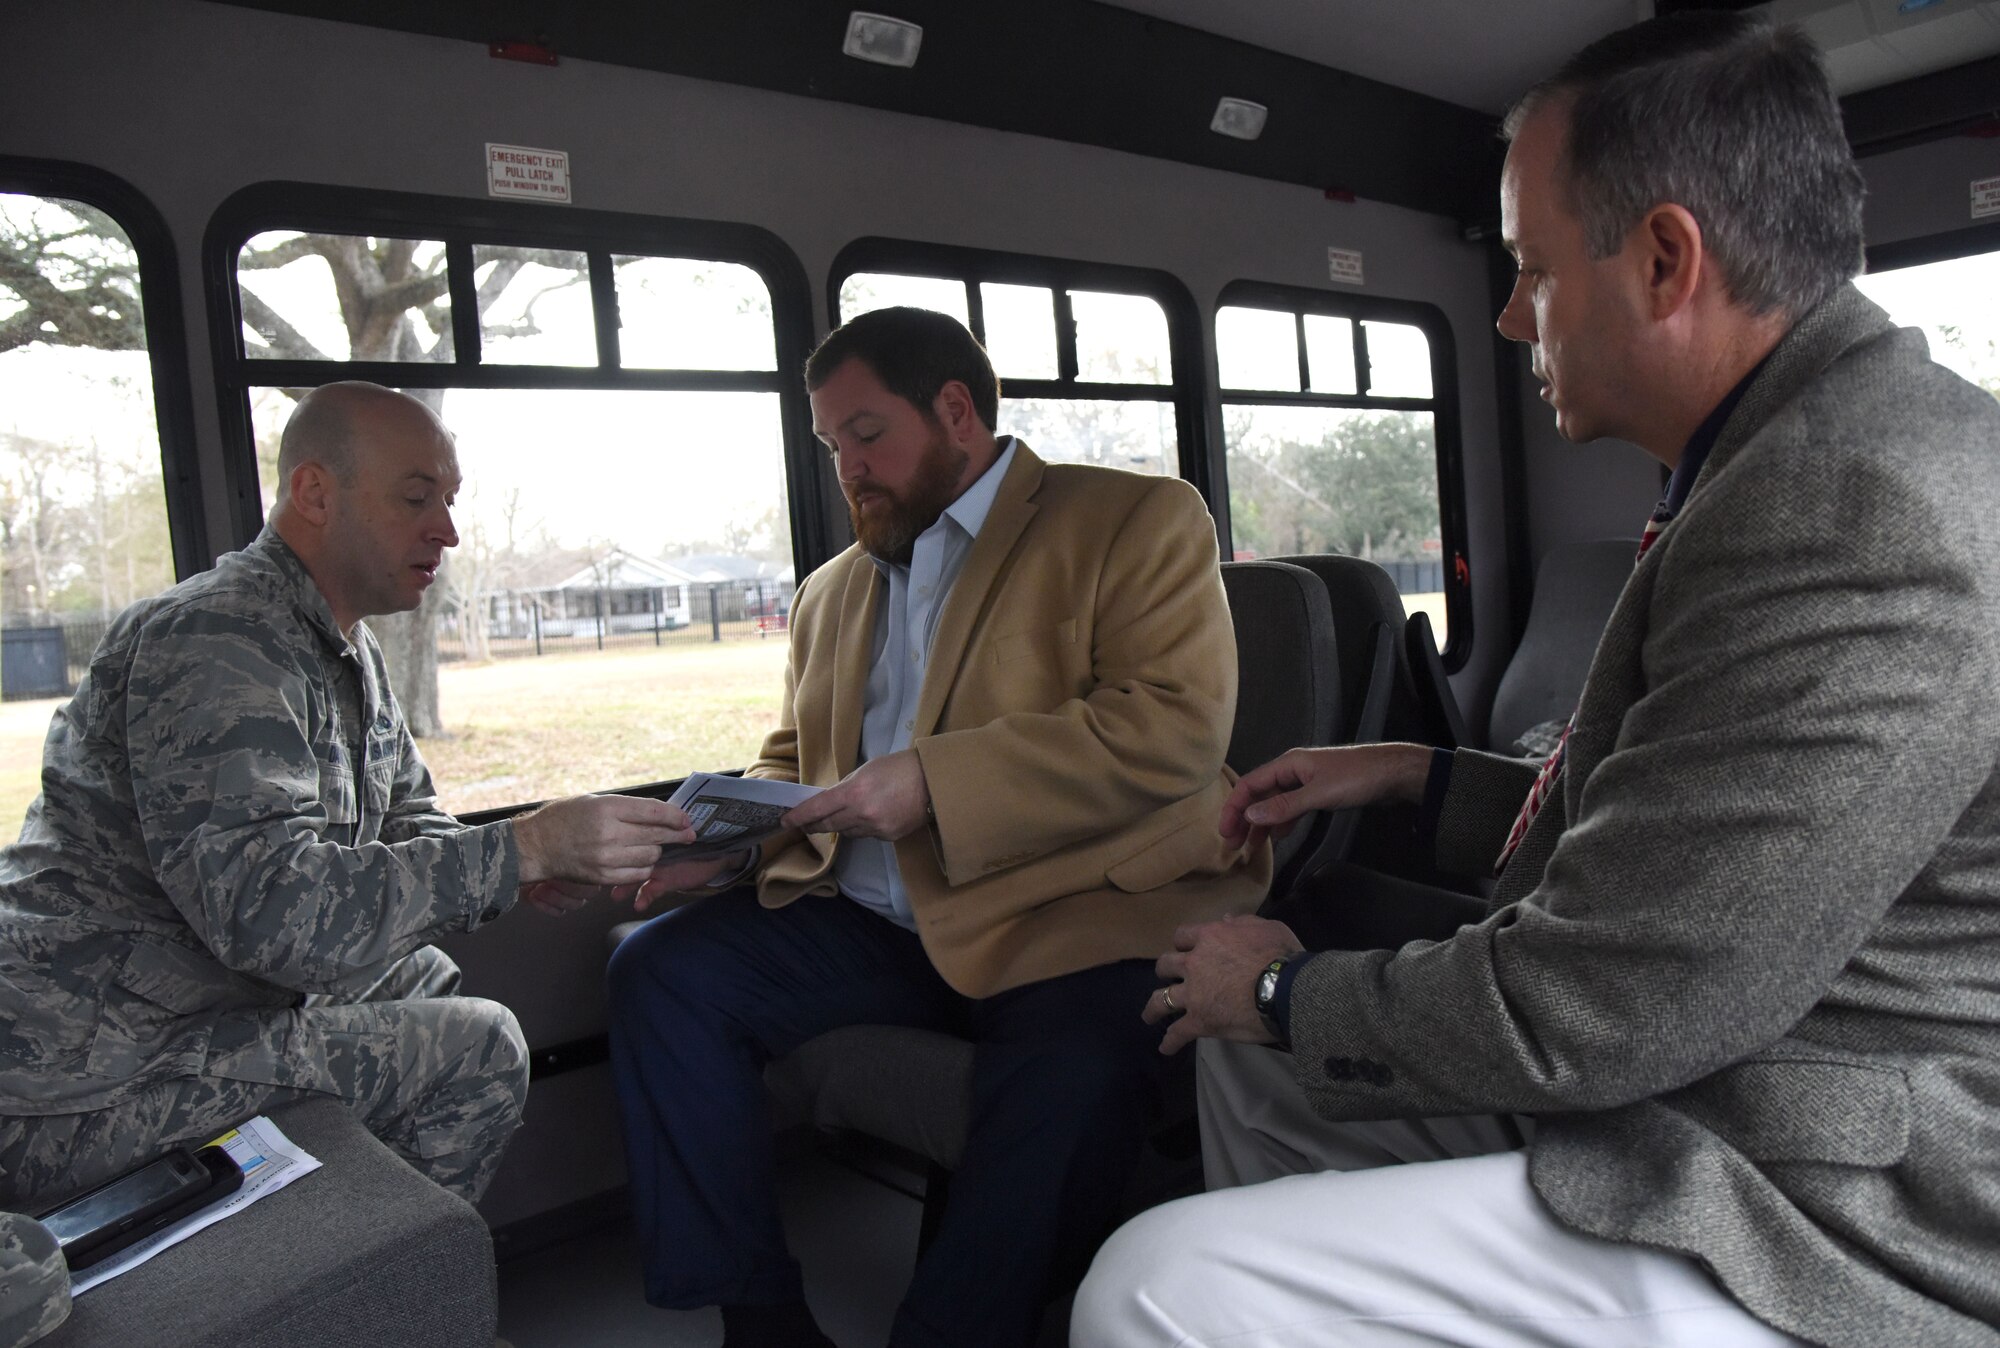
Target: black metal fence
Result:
[[1425, 577], [516, 624], [46, 658]]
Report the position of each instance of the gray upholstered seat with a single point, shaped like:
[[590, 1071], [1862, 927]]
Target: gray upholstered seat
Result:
[[363, 1252], [1575, 589]]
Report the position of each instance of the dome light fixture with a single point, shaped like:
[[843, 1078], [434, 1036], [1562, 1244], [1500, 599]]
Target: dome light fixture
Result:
[[881, 39], [1239, 117]]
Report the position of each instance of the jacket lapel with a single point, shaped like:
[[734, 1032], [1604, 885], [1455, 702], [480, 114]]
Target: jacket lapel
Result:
[[853, 652], [1013, 507]]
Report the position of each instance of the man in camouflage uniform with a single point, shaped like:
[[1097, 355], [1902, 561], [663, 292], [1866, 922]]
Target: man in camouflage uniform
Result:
[[223, 899]]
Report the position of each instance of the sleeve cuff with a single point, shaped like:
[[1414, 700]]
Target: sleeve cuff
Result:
[[1281, 1000]]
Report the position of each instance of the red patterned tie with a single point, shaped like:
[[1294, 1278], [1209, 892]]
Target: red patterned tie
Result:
[[1551, 773]]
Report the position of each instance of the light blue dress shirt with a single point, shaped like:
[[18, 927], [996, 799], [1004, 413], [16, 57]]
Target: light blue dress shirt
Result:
[[905, 625]]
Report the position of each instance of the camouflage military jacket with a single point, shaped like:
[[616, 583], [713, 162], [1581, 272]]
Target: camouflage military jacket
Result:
[[233, 815]]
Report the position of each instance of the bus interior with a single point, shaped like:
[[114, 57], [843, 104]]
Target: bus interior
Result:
[[1254, 246]]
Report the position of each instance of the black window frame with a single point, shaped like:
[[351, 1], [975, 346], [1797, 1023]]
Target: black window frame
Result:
[[166, 333], [973, 266], [460, 223], [1443, 405], [1944, 246]]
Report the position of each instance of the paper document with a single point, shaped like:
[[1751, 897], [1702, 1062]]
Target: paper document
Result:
[[269, 1161], [731, 813]]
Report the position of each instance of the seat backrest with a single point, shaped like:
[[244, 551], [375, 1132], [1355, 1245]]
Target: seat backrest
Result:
[[1287, 678], [1376, 690], [1442, 724], [1576, 587]]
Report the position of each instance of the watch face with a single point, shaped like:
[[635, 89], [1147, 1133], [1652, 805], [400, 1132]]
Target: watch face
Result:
[[1267, 988]]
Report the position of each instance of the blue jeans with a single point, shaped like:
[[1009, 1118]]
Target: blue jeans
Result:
[[1065, 1081]]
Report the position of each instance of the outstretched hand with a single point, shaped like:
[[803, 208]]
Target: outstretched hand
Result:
[[1217, 964], [598, 840], [1269, 800]]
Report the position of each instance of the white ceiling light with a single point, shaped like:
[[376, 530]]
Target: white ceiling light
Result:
[[881, 39], [1239, 117]]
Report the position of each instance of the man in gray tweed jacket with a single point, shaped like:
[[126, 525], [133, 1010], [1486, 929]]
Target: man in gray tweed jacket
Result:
[[1722, 1063]]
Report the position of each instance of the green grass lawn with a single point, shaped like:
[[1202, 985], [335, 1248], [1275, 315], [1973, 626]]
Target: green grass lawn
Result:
[[531, 729], [537, 727]]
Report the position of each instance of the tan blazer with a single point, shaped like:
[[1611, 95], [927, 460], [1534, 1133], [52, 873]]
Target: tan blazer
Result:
[[1075, 711]]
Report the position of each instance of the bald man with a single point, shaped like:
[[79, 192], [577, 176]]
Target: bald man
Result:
[[224, 898]]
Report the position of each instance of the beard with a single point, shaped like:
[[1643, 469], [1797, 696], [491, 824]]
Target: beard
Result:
[[889, 531]]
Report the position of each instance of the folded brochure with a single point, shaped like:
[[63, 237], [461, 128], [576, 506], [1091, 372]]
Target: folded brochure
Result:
[[732, 813], [269, 1161]]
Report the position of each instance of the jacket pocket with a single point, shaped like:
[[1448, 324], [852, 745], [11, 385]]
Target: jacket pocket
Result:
[[1814, 1106], [1185, 849], [175, 978]]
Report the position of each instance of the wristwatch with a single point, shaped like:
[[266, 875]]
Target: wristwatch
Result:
[[1267, 996]]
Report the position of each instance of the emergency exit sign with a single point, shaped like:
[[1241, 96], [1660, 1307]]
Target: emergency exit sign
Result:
[[522, 171], [1985, 198], [1344, 265]]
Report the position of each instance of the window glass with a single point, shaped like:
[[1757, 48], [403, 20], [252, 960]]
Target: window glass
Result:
[[1137, 435], [1258, 349], [534, 306], [1330, 353], [83, 512], [616, 622], [1399, 361], [395, 305], [1020, 330], [881, 290], [1121, 339], [1954, 303], [1326, 479], [1359, 480], [682, 314], [615, 543]]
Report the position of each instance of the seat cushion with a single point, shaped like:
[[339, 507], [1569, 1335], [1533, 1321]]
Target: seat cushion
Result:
[[362, 1252]]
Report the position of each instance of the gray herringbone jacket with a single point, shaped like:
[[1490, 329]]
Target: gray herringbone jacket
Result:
[[1745, 968], [233, 815]]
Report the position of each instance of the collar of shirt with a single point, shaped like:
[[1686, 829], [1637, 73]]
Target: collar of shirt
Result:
[[1703, 440], [305, 593], [975, 503]]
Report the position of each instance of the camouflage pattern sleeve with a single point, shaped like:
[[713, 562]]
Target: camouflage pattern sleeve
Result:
[[413, 807], [261, 830], [34, 1280]]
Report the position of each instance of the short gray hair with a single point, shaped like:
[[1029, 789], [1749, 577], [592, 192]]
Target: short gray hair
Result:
[[1730, 118]]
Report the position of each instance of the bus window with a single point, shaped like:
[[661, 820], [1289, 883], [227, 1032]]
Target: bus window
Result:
[[881, 290], [1330, 424], [1085, 354], [295, 308], [614, 611], [1952, 301], [83, 506], [534, 306]]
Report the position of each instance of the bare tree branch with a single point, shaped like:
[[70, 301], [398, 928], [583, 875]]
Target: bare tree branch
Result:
[[286, 342]]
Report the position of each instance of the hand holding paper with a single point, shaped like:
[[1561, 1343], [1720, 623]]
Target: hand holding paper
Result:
[[886, 797]]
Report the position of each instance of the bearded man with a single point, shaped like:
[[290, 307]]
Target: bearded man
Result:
[[1018, 688]]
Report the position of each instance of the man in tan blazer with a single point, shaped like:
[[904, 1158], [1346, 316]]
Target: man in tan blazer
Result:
[[1018, 688]]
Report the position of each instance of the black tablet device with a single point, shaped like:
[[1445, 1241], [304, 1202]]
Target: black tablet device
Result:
[[127, 1209]]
